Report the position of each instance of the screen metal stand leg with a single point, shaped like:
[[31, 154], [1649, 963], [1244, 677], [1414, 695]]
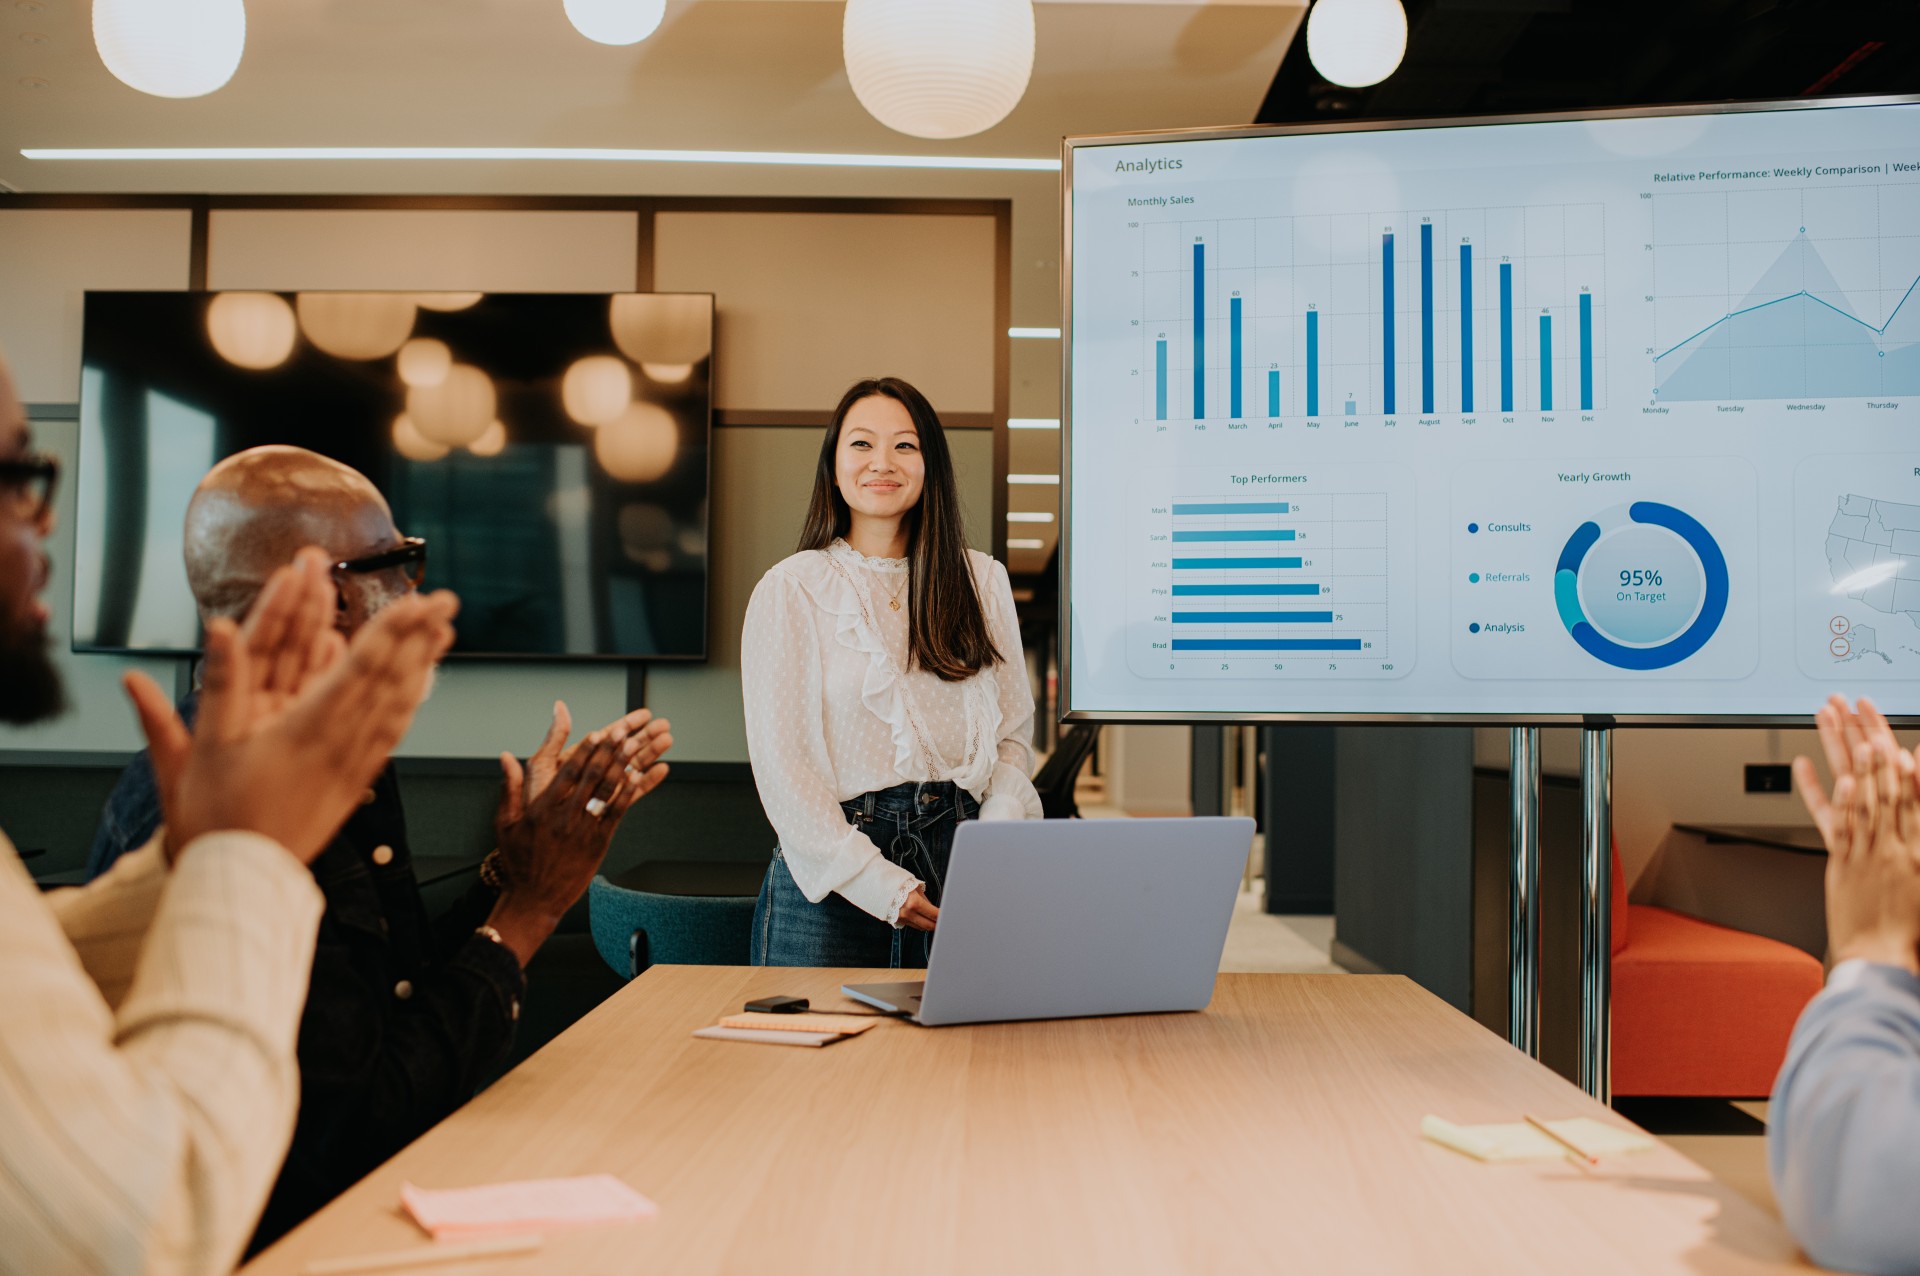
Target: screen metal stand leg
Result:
[[1523, 900], [1596, 913]]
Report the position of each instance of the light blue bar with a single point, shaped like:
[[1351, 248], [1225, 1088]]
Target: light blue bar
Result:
[[1199, 332], [1586, 351], [1546, 363], [1353, 409], [1386, 320], [1313, 363], [1466, 327], [1426, 316], [1273, 392], [1231, 564], [1245, 507], [1506, 336], [1233, 358], [1266, 644], [1236, 534], [1246, 591], [1253, 618], [1160, 379]]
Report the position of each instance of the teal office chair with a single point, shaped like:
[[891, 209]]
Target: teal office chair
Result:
[[693, 917]]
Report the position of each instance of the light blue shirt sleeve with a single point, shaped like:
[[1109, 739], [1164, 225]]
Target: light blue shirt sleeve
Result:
[[1843, 1143]]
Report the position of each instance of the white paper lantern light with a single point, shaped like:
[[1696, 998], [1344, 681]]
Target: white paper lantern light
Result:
[[492, 443], [410, 443], [1356, 42], [616, 21], [662, 328], [171, 48], [252, 329], [456, 412], [640, 446], [446, 301], [596, 389], [356, 325], [667, 373], [938, 68], [424, 361]]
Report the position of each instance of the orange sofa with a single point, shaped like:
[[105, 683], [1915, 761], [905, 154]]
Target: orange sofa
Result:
[[1700, 1009]]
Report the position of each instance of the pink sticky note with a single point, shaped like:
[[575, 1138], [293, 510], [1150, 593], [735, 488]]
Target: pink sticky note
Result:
[[530, 1206]]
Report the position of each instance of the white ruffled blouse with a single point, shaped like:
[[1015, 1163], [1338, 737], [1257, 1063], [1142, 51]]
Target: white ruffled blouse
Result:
[[834, 712]]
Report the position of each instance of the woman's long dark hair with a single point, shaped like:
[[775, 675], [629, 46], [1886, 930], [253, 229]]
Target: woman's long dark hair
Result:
[[946, 626]]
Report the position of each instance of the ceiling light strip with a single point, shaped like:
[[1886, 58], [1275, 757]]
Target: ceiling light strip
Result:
[[1035, 334], [572, 154], [1034, 480], [1033, 423]]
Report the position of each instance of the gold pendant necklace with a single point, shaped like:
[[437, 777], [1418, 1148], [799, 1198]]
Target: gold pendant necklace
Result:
[[893, 599]]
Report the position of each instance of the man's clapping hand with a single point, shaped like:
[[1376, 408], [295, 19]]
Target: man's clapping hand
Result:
[[294, 723], [1871, 827], [557, 817]]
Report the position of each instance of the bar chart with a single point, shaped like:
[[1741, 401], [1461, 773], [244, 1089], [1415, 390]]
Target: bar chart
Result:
[[1375, 314], [1276, 581]]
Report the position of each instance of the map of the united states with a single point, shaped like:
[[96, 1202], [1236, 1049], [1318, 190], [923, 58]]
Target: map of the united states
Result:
[[1875, 547]]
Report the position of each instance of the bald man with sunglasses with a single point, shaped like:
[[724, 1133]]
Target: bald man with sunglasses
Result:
[[404, 1018]]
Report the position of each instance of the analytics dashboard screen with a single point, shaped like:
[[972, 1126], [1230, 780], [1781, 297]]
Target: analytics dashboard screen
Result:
[[1515, 420]]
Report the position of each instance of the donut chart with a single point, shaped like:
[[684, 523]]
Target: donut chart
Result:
[[1641, 586]]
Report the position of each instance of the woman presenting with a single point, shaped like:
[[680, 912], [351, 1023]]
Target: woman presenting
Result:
[[886, 696]]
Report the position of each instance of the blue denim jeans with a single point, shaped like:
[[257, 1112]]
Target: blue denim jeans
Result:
[[913, 826]]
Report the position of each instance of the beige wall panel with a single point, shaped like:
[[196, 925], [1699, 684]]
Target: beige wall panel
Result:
[[49, 257], [761, 480], [811, 302], [505, 251]]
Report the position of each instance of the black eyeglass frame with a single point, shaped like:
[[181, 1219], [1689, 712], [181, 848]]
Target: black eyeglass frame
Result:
[[411, 549], [33, 468]]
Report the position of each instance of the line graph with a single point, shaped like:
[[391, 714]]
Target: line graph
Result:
[[1830, 311]]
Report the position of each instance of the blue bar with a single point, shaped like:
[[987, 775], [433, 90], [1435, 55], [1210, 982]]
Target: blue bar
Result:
[[1506, 336], [1466, 327], [1426, 316], [1546, 363], [1273, 392], [1266, 644], [1586, 351], [1236, 534], [1240, 507], [1353, 409], [1233, 358], [1199, 332], [1253, 618], [1230, 564], [1386, 321], [1160, 379], [1313, 363], [1245, 591]]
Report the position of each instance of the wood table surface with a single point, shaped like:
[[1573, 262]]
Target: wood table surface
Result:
[[1278, 1130]]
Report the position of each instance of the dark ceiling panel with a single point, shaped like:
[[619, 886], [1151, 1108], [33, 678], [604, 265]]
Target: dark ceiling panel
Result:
[[1484, 57]]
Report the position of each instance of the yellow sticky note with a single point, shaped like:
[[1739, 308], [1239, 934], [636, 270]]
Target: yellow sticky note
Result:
[[1519, 1141]]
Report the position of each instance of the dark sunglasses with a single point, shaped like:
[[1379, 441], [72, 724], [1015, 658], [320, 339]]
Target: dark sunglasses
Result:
[[410, 554], [27, 482]]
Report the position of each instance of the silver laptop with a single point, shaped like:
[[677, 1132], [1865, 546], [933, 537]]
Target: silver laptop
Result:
[[1058, 919]]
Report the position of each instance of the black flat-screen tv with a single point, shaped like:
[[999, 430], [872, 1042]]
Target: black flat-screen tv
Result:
[[552, 449]]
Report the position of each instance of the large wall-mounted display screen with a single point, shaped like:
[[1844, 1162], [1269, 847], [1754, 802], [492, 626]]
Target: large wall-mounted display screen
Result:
[[1510, 419], [552, 449]]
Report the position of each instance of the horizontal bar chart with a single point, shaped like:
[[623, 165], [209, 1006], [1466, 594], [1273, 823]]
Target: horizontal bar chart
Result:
[[1267, 644], [1195, 509], [1233, 564], [1246, 591], [1253, 618], [1237, 534]]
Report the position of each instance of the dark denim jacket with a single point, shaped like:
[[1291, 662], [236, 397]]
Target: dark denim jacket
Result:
[[403, 1019]]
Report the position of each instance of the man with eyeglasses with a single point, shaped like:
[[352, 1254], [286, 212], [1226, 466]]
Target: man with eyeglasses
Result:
[[147, 1077], [404, 1018]]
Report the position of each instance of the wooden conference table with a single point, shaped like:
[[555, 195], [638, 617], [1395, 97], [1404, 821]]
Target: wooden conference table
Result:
[[1275, 1131]]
